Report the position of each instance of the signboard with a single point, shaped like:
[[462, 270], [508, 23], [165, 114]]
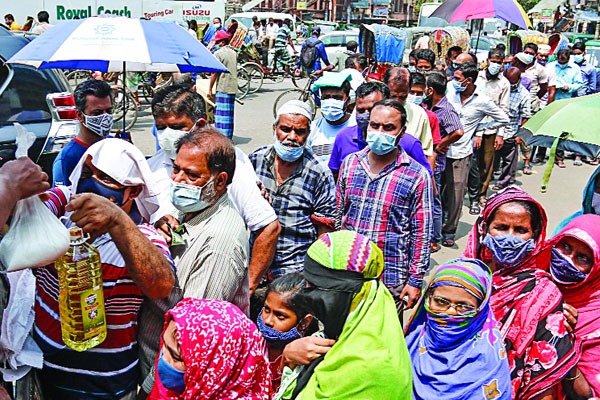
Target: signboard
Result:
[[361, 4], [546, 15], [381, 11], [380, 2], [301, 5], [171, 10]]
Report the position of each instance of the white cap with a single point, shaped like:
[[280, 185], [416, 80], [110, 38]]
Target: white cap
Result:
[[544, 49], [295, 107]]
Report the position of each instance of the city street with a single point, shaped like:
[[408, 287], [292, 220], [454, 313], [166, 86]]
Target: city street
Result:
[[254, 128]]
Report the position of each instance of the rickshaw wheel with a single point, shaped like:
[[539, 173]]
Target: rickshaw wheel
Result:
[[295, 94], [256, 76]]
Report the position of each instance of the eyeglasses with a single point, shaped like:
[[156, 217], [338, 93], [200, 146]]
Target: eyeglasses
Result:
[[437, 303]]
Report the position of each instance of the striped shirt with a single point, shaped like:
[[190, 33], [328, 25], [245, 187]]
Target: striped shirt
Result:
[[212, 263], [449, 123], [109, 370], [282, 38], [520, 107], [394, 209]]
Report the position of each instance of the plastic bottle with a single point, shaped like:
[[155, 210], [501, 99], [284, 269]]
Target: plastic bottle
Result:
[[81, 298]]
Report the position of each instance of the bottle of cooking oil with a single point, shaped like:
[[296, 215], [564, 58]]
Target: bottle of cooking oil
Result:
[[81, 298]]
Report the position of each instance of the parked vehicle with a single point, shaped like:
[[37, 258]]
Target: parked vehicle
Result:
[[336, 41], [482, 45], [384, 47], [246, 19], [40, 100]]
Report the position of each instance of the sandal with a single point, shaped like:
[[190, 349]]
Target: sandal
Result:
[[448, 242], [561, 164], [578, 163], [594, 161], [435, 247], [527, 171], [537, 160], [474, 209], [497, 187]]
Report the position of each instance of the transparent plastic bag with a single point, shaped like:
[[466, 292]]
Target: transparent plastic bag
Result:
[[36, 237]]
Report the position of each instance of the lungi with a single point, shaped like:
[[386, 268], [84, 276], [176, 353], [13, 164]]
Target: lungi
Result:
[[224, 113]]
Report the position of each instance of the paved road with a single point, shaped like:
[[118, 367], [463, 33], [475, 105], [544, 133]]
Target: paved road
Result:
[[254, 128]]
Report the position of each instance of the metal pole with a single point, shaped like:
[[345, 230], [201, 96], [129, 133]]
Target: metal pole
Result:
[[478, 35], [408, 14], [124, 96]]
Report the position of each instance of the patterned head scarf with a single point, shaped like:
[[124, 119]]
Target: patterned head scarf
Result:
[[224, 353], [447, 351]]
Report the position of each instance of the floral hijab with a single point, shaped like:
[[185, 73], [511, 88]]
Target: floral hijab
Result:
[[224, 354]]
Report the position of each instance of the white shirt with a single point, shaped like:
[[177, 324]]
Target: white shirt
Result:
[[422, 43], [41, 28], [357, 78], [243, 191], [271, 30], [322, 136]]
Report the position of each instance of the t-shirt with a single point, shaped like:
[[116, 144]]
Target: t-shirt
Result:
[[322, 136], [282, 36], [271, 30], [227, 83], [66, 161], [417, 124], [538, 76]]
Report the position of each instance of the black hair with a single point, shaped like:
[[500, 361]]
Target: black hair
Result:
[[371, 87], [563, 53], [178, 99], [454, 49], [531, 46], [92, 87], [350, 62], [219, 18], [579, 46], [219, 150], [393, 104], [287, 22], [352, 45], [397, 74], [9, 16], [426, 55], [362, 60], [496, 53], [501, 46], [418, 79], [193, 24], [43, 16], [534, 215], [469, 70], [256, 23], [438, 82], [412, 54]]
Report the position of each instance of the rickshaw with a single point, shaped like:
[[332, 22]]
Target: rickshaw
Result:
[[516, 40], [557, 42], [441, 40], [383, 46]]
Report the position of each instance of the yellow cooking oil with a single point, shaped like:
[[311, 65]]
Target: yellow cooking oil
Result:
[[81, 298]]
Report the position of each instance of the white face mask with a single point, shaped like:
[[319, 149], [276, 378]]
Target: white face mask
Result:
[[167, 139], [596, 203]]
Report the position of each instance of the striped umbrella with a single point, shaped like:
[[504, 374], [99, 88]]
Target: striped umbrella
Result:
[[465, 10]]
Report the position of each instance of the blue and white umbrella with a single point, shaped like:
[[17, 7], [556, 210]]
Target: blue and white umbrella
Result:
[[117, 45]]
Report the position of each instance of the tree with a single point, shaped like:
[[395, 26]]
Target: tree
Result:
[[528, 4]]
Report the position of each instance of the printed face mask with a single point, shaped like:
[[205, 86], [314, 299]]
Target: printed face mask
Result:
[[99, 124], [92, 185], [508, 250], [563, 270]]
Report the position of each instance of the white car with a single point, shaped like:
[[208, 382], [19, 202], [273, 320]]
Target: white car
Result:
[[336, 41]]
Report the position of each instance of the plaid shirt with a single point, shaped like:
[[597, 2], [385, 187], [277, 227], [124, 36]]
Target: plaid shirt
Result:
[[520, 107], [305, 197], [449, 123], [394, 209]]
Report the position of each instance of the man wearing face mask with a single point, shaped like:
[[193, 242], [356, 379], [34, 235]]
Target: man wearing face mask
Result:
[[473, 107], [334, 90], [536, 73], [301, 187], [387, 196], [112, 197], [211, 251], [399, 81], [177, 111], [354, 138], [588, 72], [93, 100]]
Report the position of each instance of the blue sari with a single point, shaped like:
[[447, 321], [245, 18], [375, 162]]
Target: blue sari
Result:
[[458, 356]]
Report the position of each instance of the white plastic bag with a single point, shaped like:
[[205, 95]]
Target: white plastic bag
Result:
[[36, 237]]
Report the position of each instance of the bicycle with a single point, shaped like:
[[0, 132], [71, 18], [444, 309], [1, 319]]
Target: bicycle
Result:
[[129, 108], [76, 76], [305, 95], [244, 83], [148, 87], [258, 72]]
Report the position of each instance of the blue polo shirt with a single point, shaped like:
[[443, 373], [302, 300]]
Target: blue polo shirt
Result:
[[66, 161], [349, 140]]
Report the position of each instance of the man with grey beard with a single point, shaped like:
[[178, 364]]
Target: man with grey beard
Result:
[[301, 187]]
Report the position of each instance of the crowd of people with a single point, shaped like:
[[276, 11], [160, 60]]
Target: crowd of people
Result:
[[285, 273]]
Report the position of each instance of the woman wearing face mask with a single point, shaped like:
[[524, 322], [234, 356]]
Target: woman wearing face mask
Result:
[[369, 359], [282, 320], [210, 350], [509, 236], [574, 264], [455, 347]]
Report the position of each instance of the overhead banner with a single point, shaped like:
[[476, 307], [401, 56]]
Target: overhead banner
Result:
[[546, 15]]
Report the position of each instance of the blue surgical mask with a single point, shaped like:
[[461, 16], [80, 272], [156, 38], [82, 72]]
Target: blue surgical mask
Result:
[[528, 58], [412, 69], [275, 337], [563, 270], [92, 185], [333, 109], [362, 120], [381, 143], [458, 86], [189, 198], [508, 250], [170, 377], [562, 66], [494, 68], [287, 153], [578, 58], [542, 62], [418, 100]]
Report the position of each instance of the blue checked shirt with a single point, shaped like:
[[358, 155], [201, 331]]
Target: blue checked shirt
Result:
[[519, 108], [394, 209], [305, 197]]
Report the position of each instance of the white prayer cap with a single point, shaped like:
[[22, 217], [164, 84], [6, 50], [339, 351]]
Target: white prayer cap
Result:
[[295, 107]]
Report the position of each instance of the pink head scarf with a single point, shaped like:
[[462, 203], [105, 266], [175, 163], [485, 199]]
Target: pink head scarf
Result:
[[224, 354], [584, 296]]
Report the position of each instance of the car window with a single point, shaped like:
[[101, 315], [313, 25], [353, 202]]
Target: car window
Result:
[[484, 44], [333, 40], [24, 99]]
